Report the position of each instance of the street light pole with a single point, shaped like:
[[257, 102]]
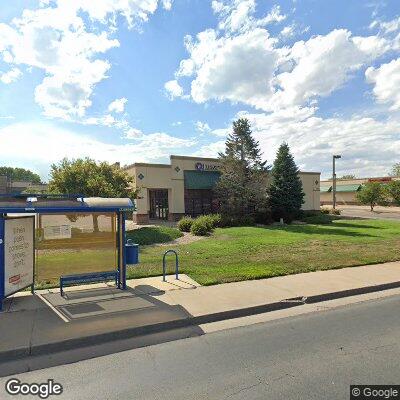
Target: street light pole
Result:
[[334, 158]]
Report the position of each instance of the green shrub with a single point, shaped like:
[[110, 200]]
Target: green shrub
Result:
[[228, 221], [212, 220], [153, 234], [207, 221], [216, 220], [185, 224], [201, 227]]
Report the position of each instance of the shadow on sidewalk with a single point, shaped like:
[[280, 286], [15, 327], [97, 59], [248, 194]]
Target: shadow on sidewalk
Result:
[[85, 324]]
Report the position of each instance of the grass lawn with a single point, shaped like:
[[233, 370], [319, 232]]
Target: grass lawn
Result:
[[153, 234], [235, 254]]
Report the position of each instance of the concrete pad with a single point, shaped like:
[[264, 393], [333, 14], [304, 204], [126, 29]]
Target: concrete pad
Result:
[[291, 312], [155, 285], [102, 307], [230, 296], [79, 296], [50, 334], [25, 303], [15, 332]]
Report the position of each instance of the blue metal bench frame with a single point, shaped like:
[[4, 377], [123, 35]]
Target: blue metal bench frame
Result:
[[90, 277]]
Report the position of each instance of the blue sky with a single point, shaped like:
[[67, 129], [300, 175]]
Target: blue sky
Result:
[[139, 80]]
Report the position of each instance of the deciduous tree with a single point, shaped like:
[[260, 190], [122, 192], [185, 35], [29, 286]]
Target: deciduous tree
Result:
[[90, 179], [372, 193]]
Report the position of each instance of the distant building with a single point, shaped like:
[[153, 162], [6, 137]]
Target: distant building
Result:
[[8, 186], [346, 189], [4, 184]]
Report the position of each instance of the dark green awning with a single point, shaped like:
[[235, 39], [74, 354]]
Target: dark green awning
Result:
[[348, 188], [200, 179], [325, 189]]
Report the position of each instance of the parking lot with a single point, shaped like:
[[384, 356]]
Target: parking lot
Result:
[[365, 212]]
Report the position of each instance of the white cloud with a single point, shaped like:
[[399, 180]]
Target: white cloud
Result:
[[167, 4], [238, 15], [64, 38], [202, 127], [236, 68], [10, 76], [321, 65], [133, 133], [288, 31], [386, 80], [210, 150], [242, 63], [118, 105], [68, 95], [387, 26], [52, 143], [313, 140], [173, 89], [221, 132]]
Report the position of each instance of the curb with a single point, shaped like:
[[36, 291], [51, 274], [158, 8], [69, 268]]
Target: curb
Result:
[[127, 333]]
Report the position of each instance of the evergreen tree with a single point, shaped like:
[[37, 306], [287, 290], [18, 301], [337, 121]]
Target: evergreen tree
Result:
[[285, 193], [241, 146], [241, 187]]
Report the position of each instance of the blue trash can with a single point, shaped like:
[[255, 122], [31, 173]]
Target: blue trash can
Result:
[[131, 252]]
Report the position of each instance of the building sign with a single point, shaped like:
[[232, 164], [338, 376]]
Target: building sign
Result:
[[57, 232], [16, 268], [199, 166]]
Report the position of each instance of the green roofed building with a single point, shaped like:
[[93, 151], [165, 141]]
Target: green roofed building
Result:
[[346, 189], [185, 187]]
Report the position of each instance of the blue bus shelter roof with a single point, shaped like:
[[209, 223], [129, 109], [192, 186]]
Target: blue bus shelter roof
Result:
[[58, 204]]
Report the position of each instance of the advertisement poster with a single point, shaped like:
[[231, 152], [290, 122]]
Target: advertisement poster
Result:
[[57, 232], [18, 253]]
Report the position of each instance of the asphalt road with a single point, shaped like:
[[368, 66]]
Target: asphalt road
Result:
[[313, 356], [392, 213]]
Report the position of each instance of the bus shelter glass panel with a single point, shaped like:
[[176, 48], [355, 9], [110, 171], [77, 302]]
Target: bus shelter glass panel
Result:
[[74, 243]]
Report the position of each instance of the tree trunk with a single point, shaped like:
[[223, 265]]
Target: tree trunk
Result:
[[95, 223]]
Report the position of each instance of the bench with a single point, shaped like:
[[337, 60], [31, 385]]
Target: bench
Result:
[[89, 277]]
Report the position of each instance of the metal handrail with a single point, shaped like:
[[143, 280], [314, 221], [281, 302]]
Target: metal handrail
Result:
[[176, 264]]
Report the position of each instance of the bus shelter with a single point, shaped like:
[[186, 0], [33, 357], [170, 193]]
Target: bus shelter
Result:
[[47, 238]]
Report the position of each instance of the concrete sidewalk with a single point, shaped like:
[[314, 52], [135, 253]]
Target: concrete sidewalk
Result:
[[46, 323]]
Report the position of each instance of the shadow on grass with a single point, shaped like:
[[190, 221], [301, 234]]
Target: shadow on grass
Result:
[[344, 225], [321, 230]]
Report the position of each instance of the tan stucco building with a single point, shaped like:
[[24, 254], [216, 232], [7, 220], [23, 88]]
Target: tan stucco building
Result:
[[347, 189], [184, 187]]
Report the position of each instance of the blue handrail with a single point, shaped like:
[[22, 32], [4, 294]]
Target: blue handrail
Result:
[[176, 264]]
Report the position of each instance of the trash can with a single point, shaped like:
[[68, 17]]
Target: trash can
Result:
[[131, 252]]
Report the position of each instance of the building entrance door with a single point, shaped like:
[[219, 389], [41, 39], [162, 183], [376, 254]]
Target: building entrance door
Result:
[[158, 203]]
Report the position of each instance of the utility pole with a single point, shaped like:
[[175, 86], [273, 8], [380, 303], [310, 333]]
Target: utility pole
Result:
[[334, 158]]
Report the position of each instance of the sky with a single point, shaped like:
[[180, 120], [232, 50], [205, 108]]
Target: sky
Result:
[[137, 80]]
